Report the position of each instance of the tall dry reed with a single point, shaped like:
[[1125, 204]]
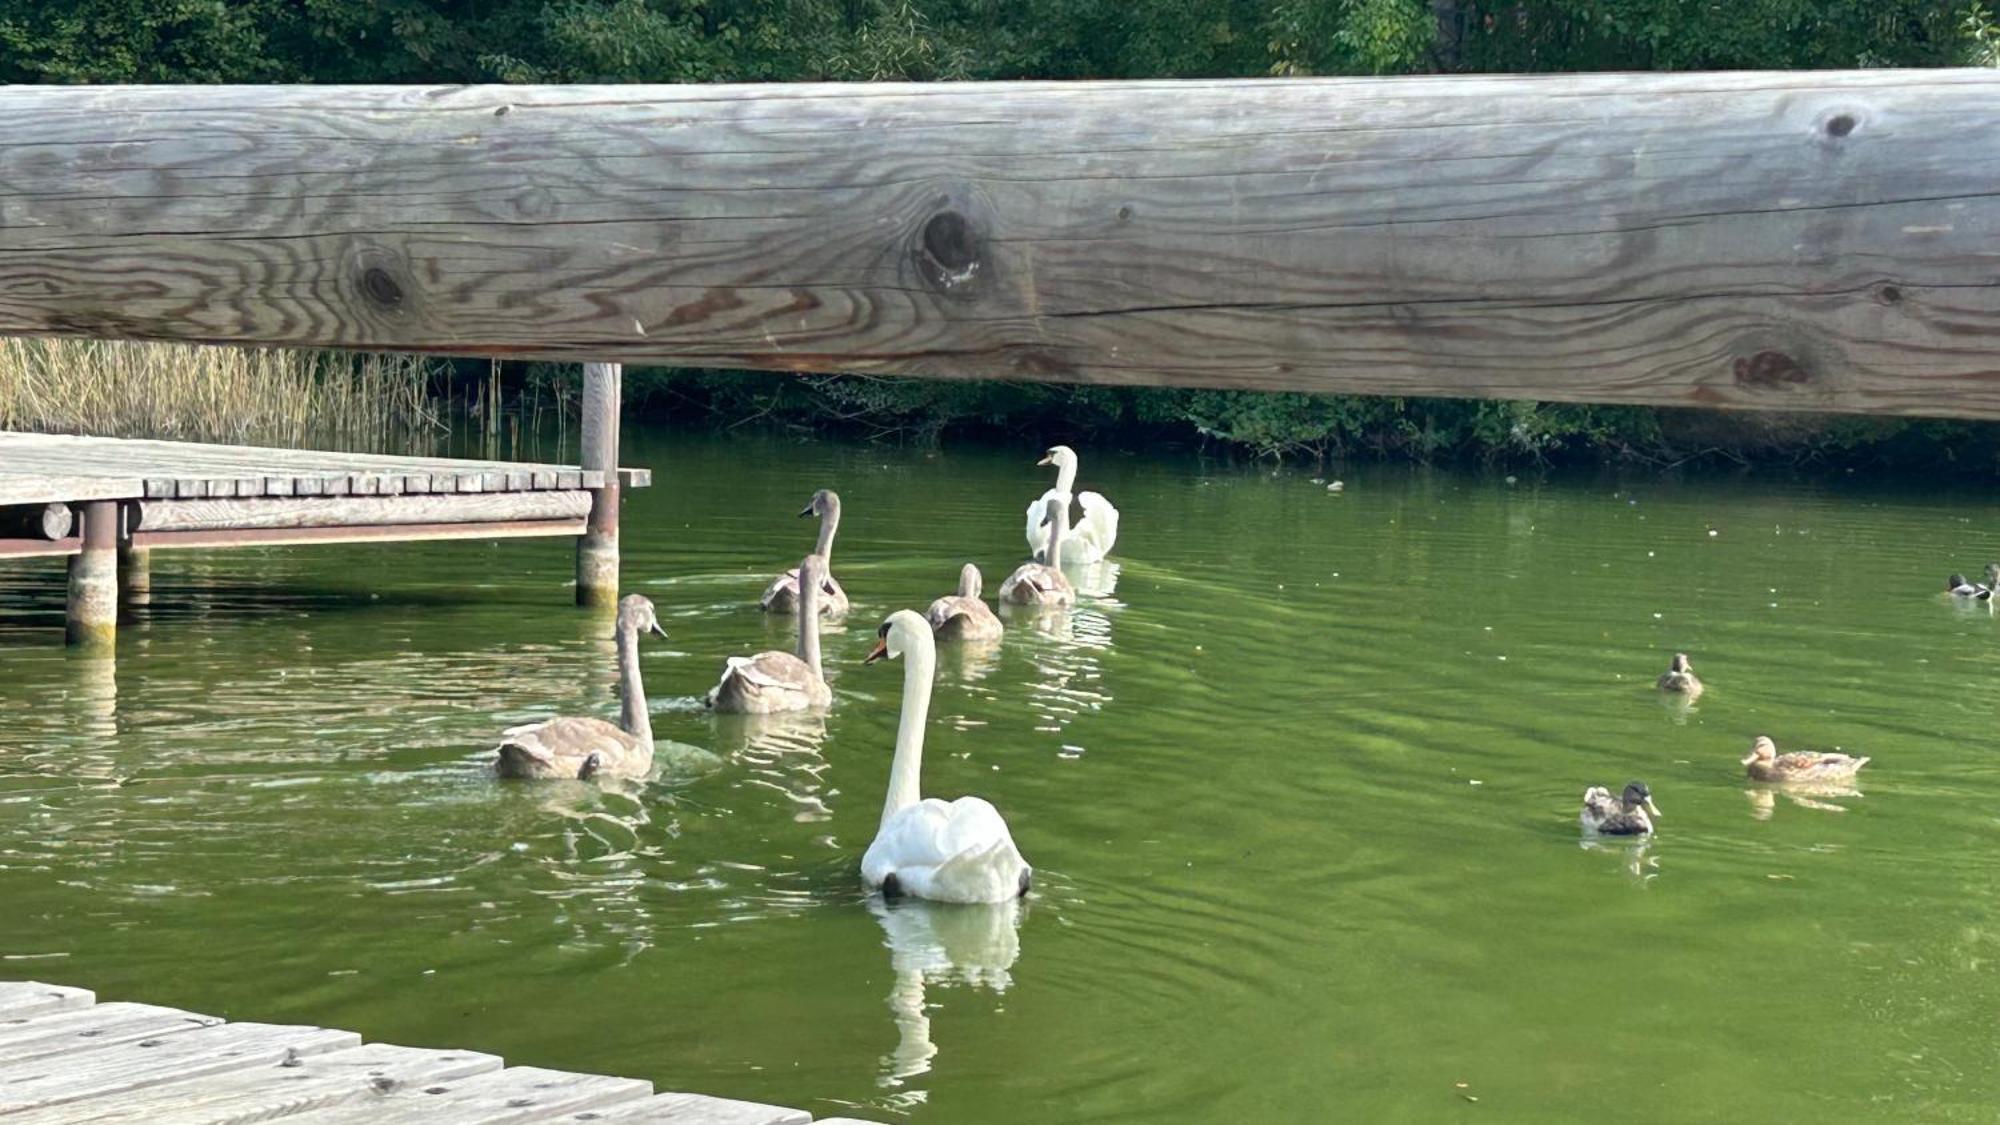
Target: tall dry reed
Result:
[[184, 392]]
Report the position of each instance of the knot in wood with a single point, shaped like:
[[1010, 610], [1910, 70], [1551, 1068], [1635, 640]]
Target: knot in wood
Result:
[[378, 286], [1770, 370], [1840, 124], [948, 250]]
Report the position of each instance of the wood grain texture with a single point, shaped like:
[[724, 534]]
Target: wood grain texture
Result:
[[517, 1094], [20, 999], [356, 1076], [352, 511], [697, 1109], [1820, 241], [61, 468], [307, 536], [56, 1033], [114, 1069]]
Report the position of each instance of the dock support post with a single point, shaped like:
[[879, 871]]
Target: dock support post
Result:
[[135, 576], [597, 549], [93, 578]]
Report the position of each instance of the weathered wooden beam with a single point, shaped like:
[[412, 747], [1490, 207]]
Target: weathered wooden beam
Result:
[[357, 533], [597, 549], [1819, 241], [353, 511], [45, 521]]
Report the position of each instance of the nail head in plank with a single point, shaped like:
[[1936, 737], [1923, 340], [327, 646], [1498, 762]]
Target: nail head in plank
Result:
[[517, 1094], [22, 998], [355, 1076], [61, 1033], [100, 1071]]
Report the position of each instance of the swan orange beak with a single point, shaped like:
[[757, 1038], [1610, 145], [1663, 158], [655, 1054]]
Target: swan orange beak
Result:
[[880, 650]]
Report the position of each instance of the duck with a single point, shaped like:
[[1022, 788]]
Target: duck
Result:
[[775, 681], [1094, 535], [1764, 763], [925, 847], [585, 748], [1679, 677], [1958, 587], [962, 616], [1626, 815], [1044, 583], [782, 595]]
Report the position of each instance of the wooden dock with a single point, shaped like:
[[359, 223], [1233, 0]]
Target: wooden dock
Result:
[[67, 1060], [106, 503]]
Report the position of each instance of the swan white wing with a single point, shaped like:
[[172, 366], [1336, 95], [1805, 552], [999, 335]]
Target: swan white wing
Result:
[[957, 851], [1038, 528], [1098, 529]]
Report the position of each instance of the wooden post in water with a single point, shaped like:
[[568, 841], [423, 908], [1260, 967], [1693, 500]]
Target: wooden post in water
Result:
[[135, 575], [93, 578], [597, 548]]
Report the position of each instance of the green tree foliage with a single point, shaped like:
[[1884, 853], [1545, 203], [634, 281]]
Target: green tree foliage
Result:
[[923, 40]]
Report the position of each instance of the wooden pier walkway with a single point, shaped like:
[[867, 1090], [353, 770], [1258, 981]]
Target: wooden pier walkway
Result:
[[106, 503], [67, 1060]]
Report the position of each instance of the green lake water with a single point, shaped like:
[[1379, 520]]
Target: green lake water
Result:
[[1300, 788]]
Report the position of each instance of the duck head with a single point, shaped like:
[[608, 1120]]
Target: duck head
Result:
[[1680, 663], [1954, 582], [636, 613], [1638, 795], [1762, 750]]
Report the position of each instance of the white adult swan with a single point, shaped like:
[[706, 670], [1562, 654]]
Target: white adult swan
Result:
[[949, 851], [588, 747], [782, 595], [1092, 537], [776, 681]]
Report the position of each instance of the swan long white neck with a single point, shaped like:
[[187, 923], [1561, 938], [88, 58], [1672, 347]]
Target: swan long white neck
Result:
[[828, 524], [809, 581], [919, 668], [1065, 475], [632, 712], [968, 581]]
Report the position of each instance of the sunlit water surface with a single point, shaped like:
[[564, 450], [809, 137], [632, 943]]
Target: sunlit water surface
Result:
[[1299, 785]]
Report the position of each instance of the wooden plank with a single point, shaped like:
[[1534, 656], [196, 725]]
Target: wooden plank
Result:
[[496, 507], [24, 1038], [22, 998], [521, 1093], [636, 478], [1806, 240], [356, 1076], [48, 548], [102, 1071], [308, 536], [698, 1109], [46, 488]]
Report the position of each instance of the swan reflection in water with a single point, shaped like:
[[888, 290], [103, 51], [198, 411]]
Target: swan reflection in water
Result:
[[938, 944], [1632, 852], [781, 753], [1068, 677], [1806, 795]]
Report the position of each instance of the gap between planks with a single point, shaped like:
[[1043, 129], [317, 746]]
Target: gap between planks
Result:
[[66, 1060]]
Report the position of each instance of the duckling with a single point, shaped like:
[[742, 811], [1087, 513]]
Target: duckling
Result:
[[1764, 763], [1958, 587], [1680, 678], [1624, 816]]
